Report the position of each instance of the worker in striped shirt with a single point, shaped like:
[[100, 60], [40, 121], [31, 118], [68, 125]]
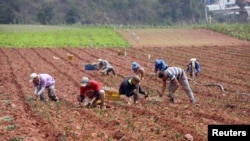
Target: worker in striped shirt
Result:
[[177, 77]]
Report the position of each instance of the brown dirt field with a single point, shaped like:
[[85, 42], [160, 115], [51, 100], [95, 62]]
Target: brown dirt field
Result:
[[223, 60]]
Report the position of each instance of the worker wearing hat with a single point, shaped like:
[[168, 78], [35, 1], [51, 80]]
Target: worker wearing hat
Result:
[[138, 70], [130, 87], [196, 64], [42, 82], [105, 67], [90, 92], [160, 66]]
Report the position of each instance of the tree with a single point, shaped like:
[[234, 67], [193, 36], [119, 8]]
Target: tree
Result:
[[72, 16], [45, 14], [8, 10], [6, 18]]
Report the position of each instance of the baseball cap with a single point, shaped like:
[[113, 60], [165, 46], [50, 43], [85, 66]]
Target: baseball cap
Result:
[[136, 79], [85, 81], [32, 76], [193, 59], [157, 62], [134, 65]]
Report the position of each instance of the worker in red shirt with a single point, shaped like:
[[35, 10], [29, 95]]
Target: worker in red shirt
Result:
[[90, 92]]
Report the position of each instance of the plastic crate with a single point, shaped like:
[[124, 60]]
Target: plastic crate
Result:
[[111, 94], [90, 66]]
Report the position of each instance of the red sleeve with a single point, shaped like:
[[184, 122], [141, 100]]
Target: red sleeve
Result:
[[82, 90]]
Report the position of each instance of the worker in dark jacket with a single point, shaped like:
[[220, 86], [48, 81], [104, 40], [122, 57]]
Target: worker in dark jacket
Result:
[[130, 87]]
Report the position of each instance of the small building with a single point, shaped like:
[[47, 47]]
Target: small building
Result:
[[223, 5]]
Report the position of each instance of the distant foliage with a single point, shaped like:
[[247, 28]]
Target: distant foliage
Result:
[[45, 13], [240, 31], [147, 12], [72, 16]]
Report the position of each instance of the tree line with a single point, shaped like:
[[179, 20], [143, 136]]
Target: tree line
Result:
[[151, 12]]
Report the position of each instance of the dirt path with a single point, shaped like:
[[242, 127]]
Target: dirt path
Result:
[[177, 38]]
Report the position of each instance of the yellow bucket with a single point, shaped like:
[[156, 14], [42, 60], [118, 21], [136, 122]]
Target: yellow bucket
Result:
[[70, 56]]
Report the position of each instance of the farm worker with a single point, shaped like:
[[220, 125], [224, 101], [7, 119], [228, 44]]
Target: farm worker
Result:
[[41, 82], [90, 92], [130, 87], [197, 67], [105, 67], [138, 70], [160, 66], [177, 77]]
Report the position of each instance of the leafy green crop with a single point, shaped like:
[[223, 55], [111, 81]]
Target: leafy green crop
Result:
[[240, 31], [59, 36]]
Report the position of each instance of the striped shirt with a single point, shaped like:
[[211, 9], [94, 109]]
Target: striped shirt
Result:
[[173, 72]]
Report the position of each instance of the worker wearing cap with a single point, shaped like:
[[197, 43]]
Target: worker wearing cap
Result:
[[160, 66], [130, 87], [90, 92], [41, 82], [138, 70], [196, 66], [105, 67]]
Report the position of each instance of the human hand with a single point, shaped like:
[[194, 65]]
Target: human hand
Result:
[[89, 105], [80, 104], [36, 97], [102, 72], [135, 91], [159, 93]]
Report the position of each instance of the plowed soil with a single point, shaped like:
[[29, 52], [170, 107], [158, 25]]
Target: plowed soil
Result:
[[223, 60]]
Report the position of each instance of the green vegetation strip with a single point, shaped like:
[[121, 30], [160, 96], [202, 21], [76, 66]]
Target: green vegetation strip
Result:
[[237, 30], [33, 36]]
